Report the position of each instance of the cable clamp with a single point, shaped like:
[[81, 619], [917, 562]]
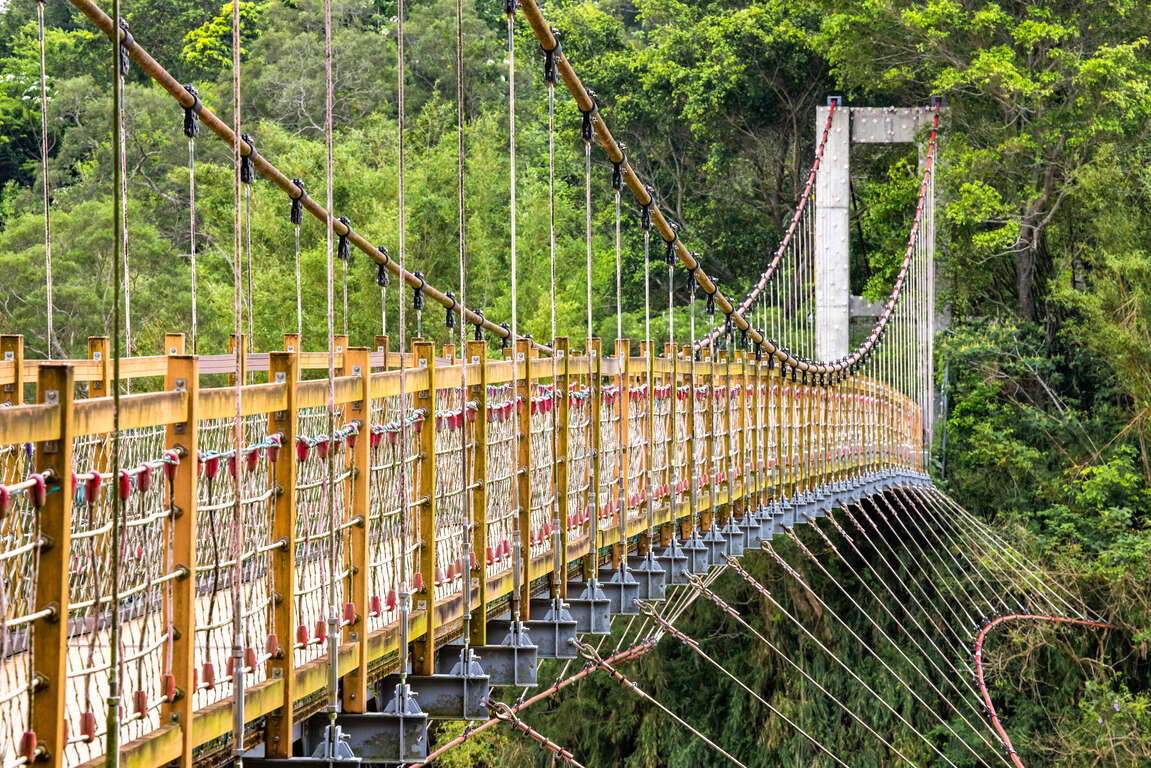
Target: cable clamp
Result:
[[586, 127], [479, 332], [418, 292], [247, 171], [343, 251], [126, 44], [297, 214], [550, 59], [192, 113], [450, 314]]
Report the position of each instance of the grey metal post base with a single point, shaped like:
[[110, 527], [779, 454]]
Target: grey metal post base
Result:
[[457, 695], [675, 562], [551, 633], [651, 576], [591, 610], [510, 663], [698, 555], [395, 736], [716, 544], [734, 535], [621, 589]]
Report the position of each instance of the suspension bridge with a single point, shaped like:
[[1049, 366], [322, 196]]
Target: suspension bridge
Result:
[[309, 563]]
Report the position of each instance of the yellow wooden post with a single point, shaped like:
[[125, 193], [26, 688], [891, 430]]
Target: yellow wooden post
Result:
[[12, 351], [477, 355], [243, 358], [707, 515], [183, 437], [341, 340], [623, 446], [174, 343], [355, 687], [741, 439], [284, 368], [689, 463], [562, 427], [98, 350], [381, 347], [522, 358], [55, 385], [424, 599], [292, 343], [594, 351], [782, 474]]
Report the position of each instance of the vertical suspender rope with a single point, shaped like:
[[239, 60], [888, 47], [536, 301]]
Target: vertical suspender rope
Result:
[[191, 131], [401, 245], [465, 465], [112, 721], [517, 534], [238, 718], [645, 225], [586, 133], [557, 555], [330, 486], [247, 178], [122, 190], [617, 185], [44, 166]]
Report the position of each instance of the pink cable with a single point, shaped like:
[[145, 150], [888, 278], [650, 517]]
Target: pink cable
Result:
[[979, 668]]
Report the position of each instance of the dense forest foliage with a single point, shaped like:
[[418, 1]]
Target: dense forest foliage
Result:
[[1045, 190]]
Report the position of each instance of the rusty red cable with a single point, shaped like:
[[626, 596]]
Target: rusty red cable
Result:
[[505, 714], [979, 667]]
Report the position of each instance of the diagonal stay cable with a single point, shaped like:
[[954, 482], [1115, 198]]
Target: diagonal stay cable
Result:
[[956, 641], [761, 589], [958, 650], [940, 557], [895, 646], [948, 680], [1026, 564], [1013, 560], [504, 713], [794, 574], [728, 609], [955, 550], [591, 655], [954, 604], [998, 571]]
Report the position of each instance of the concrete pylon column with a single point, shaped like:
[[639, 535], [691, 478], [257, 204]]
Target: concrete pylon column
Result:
[[832, 265]]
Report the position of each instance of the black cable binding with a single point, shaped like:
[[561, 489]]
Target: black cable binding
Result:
[[343, 249]]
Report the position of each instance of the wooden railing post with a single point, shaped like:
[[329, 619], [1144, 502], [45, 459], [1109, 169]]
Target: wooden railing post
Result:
[[183, 436], [477, 355], [243, 359], [689, 462], [741, 440], [424, 599], [623, 446], [12, 351], [174, 343], [522, 362], [355, 686], [707, 515], [55, 384], [341, 345], [98, 349], [380, 344], [667, 530], [562, 429], [595, 385], [284, 368]]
